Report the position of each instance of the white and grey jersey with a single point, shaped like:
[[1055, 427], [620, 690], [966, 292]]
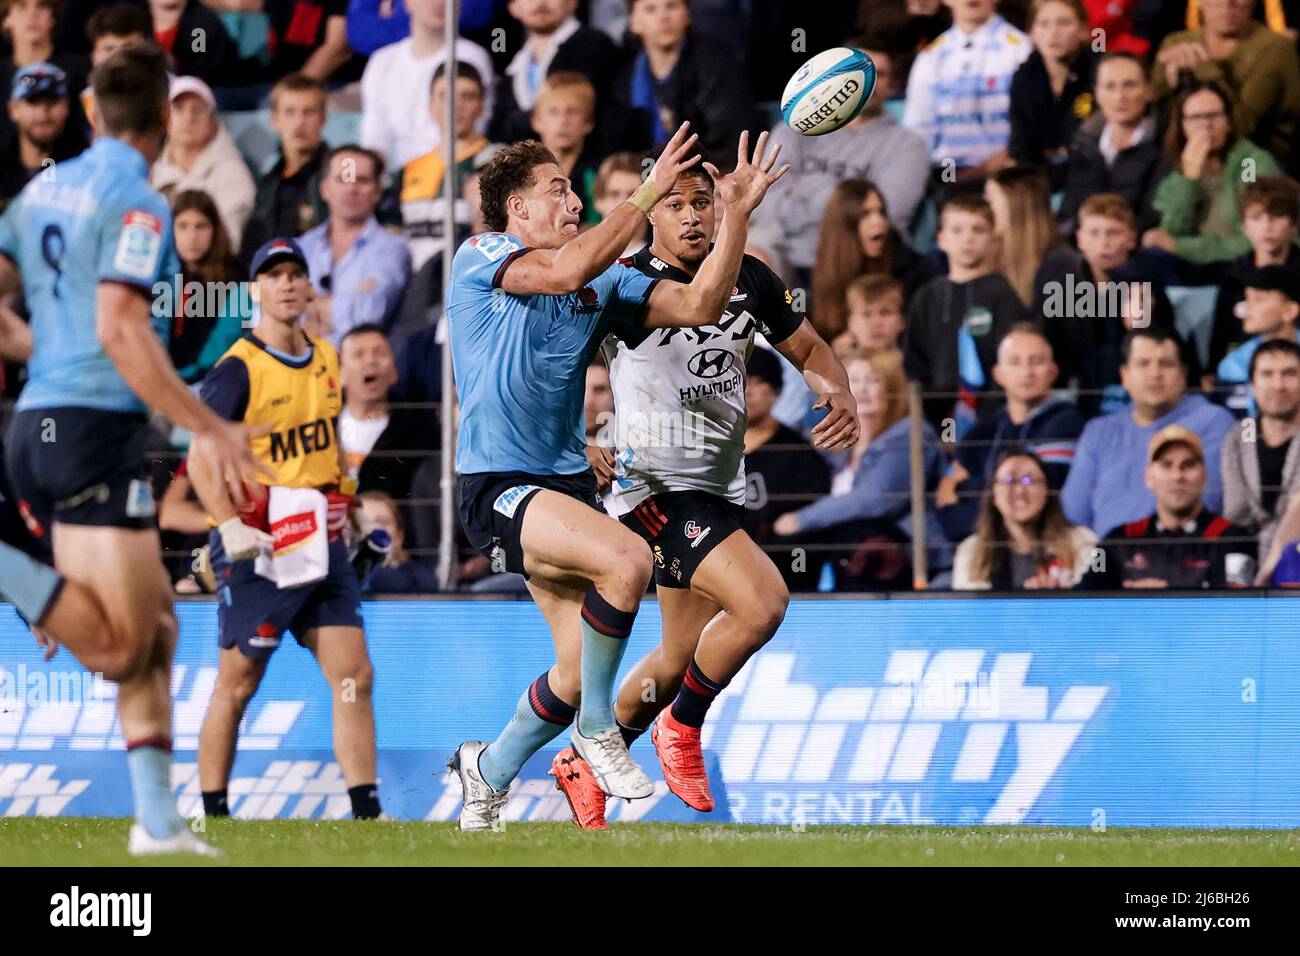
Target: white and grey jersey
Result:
[[679, 393]]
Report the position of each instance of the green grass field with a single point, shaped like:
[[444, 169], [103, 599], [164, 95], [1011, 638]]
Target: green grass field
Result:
[[102, 842]]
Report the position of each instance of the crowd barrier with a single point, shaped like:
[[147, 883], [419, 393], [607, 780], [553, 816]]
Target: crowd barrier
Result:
[[1098, 712]]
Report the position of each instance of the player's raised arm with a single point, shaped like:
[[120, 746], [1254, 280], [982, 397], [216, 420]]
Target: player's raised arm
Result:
[[703, 300], [825, 375], [544, 211]]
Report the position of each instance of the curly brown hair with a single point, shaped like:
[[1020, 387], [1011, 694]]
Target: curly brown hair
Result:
[[509, 172]]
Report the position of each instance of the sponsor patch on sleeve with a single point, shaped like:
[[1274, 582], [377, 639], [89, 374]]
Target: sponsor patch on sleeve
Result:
[[494, 245], [139, 246]]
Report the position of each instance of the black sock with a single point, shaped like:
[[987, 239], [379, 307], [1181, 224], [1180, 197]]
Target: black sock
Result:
[[697, 693], [215, 803], [365, 801], [630, 734]]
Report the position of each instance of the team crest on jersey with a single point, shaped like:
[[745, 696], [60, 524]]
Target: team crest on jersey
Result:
[[695, 534], [494, 245], [139, 245], [588, 299]]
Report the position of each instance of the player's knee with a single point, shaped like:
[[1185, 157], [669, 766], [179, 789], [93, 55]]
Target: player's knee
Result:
[[763, 613], [115, 660], [633, 559], [237, 689], [359, 678]]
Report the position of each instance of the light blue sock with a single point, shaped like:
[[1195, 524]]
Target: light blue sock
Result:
[[601, 656], [539, 718], [29, 585], [155, 804]]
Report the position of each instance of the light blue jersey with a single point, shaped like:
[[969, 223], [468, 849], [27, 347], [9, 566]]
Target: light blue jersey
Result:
[[89, 220], [521, 360]]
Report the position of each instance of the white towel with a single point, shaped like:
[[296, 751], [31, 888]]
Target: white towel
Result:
[[301, 552]]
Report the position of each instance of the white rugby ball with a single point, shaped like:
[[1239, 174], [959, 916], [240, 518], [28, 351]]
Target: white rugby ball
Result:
[[828, 91]]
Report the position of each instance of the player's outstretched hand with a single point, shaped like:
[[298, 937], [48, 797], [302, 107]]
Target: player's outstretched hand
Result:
[[745, 186], [232, 458], [839, 429], [674, 160]]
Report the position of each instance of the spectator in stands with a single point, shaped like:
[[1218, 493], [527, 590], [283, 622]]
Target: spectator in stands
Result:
[[955, 322], [1270, 210], [1271, 312], [395, 117], [1022, 540], [1105, 237], [1182, 544], [959, 91], [307, 37], [782, 471], [856, 238], [555, 42], [109, 29], [288, 200], [874, 308], [873, 147], [1116, 149], [564, 115], [1051, 92], [1127, 301], [201, 154], [1105, 487], [676, 77], [1261, 459], [382, 445], [618, 177], [39, 107], [400, 573], [1031, 419], [206, 325], [357, 267], [1197, 200], [30, 27], [420, 187], [869, 508], [1236, 51], [1029, 245], [178, 26]]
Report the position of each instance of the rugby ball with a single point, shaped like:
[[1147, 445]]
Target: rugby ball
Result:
[[828, 91]]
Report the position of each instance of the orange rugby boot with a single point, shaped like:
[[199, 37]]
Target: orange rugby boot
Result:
[[682, 760], [573, 779]]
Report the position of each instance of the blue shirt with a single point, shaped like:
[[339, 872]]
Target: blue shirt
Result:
[[366, 285], [93, 219], [1106, 486], [521, 360]]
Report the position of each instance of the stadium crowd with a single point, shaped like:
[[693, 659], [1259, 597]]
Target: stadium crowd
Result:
[[1071, 223]]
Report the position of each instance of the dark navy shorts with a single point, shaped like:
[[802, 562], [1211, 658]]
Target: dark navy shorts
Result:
[[253, 614], [80, 466], [492, 506], [682, 527]]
